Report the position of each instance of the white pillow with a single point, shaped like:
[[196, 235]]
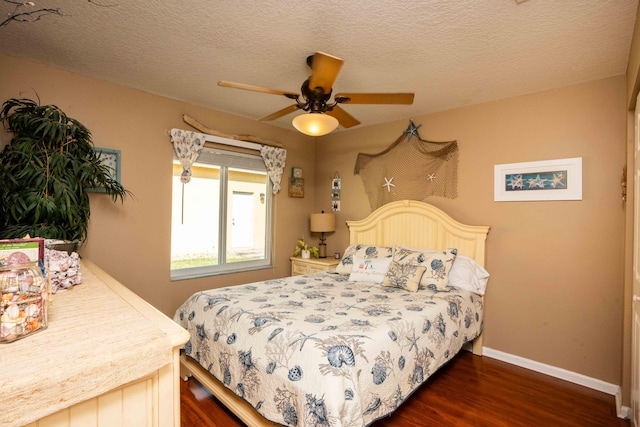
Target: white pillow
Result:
[[369, 269], [468, 274]]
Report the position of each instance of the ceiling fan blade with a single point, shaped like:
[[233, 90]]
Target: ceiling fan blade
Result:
[[257, 89], [346, 120], [377, 98], [288, 110], [324, 70]]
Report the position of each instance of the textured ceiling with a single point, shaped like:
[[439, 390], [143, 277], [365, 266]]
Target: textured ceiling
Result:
[[450, 53]]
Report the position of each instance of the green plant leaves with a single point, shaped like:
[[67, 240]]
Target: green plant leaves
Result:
[[45, 171]]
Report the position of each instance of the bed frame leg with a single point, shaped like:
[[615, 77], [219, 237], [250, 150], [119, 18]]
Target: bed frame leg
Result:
[[185, 372], [476, 345]]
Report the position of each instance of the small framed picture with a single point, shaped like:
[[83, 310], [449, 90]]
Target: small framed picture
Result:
[[111, 159], [559, 179], [296, 187]]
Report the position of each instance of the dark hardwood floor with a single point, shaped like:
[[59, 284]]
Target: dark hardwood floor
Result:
[[468, 391]]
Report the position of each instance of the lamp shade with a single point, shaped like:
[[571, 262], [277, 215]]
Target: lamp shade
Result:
[[323, 222], [315, 124]]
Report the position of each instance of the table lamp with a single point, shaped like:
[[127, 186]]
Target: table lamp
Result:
[[322, 223]]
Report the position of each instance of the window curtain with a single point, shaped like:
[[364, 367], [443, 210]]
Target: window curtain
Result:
[[187, 145], [274, 159]]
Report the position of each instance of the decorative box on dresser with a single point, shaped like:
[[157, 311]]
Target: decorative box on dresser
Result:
[[107, 358], [300, 266]]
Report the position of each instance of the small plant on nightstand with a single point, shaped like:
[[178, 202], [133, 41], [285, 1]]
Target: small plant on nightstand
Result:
[[305, 250]]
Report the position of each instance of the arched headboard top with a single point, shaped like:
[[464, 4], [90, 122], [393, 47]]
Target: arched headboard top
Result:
[[418, 224]]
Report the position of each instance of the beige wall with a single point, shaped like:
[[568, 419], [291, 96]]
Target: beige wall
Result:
[[131, 241], [555, 295]]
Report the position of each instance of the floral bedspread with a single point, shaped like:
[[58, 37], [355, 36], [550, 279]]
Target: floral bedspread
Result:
[[320, 350]]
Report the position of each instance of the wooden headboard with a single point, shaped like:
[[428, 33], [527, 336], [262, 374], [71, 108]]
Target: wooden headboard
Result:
[[418, 225]]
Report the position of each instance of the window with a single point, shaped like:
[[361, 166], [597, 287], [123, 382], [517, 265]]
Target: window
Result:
[[220, 220]]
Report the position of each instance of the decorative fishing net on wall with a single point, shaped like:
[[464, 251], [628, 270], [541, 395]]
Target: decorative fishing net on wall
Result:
[[410, 168]]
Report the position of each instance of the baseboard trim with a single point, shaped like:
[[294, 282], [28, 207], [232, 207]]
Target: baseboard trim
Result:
[[563, 374]]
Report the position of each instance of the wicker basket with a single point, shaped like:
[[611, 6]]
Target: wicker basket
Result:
[[61, 245]]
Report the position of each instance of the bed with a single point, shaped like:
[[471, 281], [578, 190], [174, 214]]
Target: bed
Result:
[[339, 348]]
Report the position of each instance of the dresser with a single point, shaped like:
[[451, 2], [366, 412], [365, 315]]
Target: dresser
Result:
[[107, 358], [301, 266]]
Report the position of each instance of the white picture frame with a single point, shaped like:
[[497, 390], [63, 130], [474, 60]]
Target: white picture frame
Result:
[[559, 179]]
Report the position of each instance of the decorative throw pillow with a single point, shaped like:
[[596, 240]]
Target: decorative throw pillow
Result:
[[438, 267], [437, 264], [363, 251], [369, 269], [404, 276], [346, 263]]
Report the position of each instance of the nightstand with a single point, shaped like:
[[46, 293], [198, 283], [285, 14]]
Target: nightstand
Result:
[[301, 266]]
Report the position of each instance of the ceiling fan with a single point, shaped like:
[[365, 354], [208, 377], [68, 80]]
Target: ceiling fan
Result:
[[323, 116]]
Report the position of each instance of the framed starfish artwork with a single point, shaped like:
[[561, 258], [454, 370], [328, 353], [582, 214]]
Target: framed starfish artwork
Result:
[[559, 179]]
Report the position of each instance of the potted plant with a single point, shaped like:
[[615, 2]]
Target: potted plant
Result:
[[45, 172], [304, 250]]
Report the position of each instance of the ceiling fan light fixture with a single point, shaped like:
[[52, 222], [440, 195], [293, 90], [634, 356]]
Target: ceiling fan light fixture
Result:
[[315, 124]]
